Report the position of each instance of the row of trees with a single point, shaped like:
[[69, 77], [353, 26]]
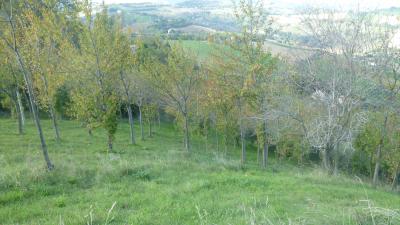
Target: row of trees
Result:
[[340, 99]]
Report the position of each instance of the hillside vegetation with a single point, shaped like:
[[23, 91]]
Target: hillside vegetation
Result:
[[155, 182], [104, 124]]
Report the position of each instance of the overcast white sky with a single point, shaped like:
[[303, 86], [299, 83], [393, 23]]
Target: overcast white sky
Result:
[[371, 4]]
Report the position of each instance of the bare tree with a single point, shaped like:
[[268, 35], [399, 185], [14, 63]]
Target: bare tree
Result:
[[335, 81]]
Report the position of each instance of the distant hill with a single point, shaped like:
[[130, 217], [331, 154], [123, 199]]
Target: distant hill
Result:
[[199, 4], [393, 11]]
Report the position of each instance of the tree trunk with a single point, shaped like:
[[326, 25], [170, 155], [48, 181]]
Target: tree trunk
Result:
[[131, 124], [49, 164], [32, 100], [379, 153], [186, 133], [377, 165], [141, 123], [21, 108], [20, 120], [14, 99], [265, 149], [242, 135], [217, 139], [226, 142], [51, 110], [90, 132], [258, 152], [300, 161], [226, 132], [265, 154], [159, 118], [29, 104], [243, 141], [150, 128], [336, 162], [206, 137], [55, 124], [371, 165], [325, 159], [110, 143], [396, 177]]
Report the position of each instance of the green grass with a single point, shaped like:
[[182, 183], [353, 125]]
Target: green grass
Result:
[[201, 49], [155, 182], [204, 50]]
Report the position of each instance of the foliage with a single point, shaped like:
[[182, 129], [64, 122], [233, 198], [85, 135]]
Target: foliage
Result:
[[336, 104], [62, 100]]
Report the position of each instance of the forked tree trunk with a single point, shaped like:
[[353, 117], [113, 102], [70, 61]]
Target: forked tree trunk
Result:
[[131, 124]]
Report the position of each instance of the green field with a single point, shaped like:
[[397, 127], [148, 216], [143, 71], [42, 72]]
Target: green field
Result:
[[155, 182], [203, 49]]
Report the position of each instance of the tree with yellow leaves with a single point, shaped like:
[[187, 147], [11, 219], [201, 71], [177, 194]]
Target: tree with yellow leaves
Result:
[[95, 99], [176, 75]]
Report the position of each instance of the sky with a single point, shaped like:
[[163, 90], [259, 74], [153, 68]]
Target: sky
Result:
[[370, 4]]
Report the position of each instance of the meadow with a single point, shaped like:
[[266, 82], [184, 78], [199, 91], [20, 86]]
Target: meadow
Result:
[[156, 182]]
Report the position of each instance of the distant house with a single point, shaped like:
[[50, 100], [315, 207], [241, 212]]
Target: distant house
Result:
[[171, 31]]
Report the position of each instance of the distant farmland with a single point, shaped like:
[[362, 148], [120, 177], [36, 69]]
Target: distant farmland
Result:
[[204, 49]]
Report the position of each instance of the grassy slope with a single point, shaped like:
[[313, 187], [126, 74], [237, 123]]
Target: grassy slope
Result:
[[154, 182], [201, 49], [204, 50]]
